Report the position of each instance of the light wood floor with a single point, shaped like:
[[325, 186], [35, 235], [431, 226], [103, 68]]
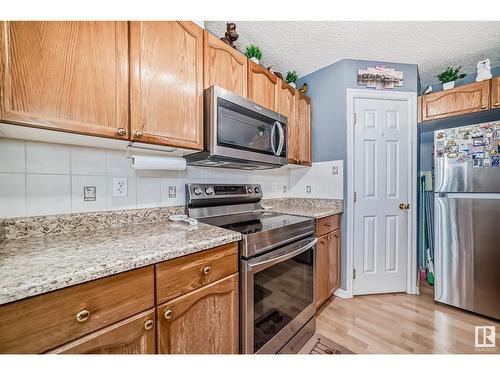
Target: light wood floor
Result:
[[400, 323]]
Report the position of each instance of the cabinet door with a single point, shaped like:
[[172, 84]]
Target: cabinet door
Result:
[[204, 321], [263, 86], [304, 129], [464, 99], [224, 66], [322, 270], [334, 261], [135, 335], [287, 101], [69, 76], [495, 92], [166, 98]]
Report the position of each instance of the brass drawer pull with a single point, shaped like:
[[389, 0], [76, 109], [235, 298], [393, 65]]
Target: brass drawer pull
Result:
[[82, 316], [206, 270], [497, 104], [328, 224], [484, 106], [148, 324], [168, 313], [121, 131], [138, 134]]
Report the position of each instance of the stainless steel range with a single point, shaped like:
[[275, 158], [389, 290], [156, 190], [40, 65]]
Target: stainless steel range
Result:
[[277, 265]]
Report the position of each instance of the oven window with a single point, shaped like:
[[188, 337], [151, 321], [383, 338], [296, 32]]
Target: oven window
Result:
[[281, 292]]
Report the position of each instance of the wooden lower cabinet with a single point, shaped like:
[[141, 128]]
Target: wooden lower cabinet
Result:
[[135, 335], [327, 260], [204, 321]]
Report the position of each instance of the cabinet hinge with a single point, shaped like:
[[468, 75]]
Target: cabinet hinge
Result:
[[354, 273]]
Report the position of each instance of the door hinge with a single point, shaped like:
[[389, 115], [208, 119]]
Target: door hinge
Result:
[[355, 196], [354, 273], [354, 118]]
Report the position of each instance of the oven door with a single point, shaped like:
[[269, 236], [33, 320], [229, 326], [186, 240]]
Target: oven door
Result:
[[241, 129], [277, 296]]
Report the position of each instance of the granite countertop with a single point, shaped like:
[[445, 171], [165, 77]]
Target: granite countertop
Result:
[[36, 265], [316, 208]]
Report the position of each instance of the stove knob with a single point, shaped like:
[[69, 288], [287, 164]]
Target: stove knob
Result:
[[197, 190], [209, 190], [250, 190], [257, 190]]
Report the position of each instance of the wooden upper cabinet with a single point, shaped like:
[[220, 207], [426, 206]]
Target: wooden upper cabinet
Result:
[[495, 92], [469, 98], [287, 107], [70, 76], [166, 98], [304, 129], [135, 335], [224, 66], [263, 87], [204, 321]]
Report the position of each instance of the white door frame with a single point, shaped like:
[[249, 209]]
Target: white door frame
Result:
[[411, 98]]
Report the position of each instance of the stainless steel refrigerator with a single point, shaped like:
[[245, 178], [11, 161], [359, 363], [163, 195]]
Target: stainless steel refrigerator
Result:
[[467, 217]]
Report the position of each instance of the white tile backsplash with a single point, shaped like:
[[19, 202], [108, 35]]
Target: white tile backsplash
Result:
[[47, 158], [78, 204], [51, 178], [48, 194], [88, 161], [12, 156], [12, 195]]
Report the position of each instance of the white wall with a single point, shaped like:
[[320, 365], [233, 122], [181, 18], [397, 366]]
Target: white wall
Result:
[[39, 178], [321, 178]]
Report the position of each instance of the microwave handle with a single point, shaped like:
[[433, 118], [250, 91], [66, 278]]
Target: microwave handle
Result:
[[256, 267], [282, 138], [273, 131]]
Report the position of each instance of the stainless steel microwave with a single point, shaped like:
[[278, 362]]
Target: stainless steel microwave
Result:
[[240, 133]]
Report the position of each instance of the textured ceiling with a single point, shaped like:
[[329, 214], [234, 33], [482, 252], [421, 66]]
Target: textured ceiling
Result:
[[306, 46]]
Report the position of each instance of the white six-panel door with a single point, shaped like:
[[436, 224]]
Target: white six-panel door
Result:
[[381, 155]]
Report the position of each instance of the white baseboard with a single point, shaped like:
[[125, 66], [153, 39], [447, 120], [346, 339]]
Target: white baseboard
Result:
[[342, 293]]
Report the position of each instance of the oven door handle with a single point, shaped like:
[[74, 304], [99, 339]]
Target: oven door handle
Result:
[[256, 267]]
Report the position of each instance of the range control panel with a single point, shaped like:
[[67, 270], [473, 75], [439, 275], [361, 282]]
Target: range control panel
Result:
[[216, 193]]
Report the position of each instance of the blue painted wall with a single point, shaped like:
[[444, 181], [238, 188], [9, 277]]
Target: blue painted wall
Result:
[[327, 90]]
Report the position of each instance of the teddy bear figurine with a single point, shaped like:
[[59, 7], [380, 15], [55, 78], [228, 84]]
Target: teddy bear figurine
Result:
[[483, 70], [231, 35]]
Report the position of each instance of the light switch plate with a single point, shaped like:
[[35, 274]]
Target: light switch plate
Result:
[[120, 187], [284, 188], [335, 170]]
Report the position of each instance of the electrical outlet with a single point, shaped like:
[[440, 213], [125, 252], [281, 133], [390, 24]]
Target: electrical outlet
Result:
[[89, 193], [275, 187], [335, 170], [120, 187], [308, 189], [284, 188], [172, 191]]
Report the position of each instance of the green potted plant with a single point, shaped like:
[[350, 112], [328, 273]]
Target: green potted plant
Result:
[[449, 76], [291, 78], [253, 53]]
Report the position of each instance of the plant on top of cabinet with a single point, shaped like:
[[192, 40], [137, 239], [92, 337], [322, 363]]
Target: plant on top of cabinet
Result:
[[291, 78], [449, 76], [67, 76], [254, 53]]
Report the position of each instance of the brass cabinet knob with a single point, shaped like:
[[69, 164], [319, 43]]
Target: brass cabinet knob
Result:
[[497, 104], [138, 133], [82, 316], [121, 131], [168, 314], [148, 324], [206, 270], [484, 106]]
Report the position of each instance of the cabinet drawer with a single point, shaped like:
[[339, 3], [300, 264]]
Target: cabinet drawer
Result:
[[182, 275], [40, 323], [327, 224]]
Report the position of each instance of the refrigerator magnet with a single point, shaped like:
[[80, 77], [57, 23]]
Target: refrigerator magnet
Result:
[[477, 163], [439, 153], [462, 157], [495, 161], [440, 135], [486, 162]]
